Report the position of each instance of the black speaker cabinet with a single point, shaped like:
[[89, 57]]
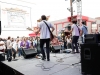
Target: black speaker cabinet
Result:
[[92, 38], [2, 56], [56, 48], [90, 59], [27, 53]]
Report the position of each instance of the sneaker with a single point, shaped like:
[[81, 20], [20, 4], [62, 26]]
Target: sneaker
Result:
[[43, 58], [48, 59], [77, 52]]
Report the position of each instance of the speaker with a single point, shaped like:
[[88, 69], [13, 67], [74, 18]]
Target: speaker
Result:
[[92, 38], [27, 53], [90, 59], [2, 56], [56, 48]]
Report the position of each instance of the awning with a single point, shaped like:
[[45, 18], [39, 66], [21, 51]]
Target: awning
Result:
[[33, 34]]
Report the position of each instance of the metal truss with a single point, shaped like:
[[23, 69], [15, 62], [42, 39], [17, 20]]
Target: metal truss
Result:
[[79, 10]]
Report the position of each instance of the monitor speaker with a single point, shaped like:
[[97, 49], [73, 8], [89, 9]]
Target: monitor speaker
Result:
[[56, 48], [28, 53], [90, 59]]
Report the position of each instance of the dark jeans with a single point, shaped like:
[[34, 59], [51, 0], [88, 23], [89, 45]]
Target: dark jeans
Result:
[[42, 42], [69, 45], [38, 48], [82, 39], [74, 43], [9, 53], [65, 45]]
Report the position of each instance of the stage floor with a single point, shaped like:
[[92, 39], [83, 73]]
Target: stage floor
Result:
[[59, 64]]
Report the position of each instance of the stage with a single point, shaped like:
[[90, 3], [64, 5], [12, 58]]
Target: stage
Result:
[[59, 64]]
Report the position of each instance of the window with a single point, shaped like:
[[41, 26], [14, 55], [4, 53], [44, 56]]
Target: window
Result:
[[94, 27]]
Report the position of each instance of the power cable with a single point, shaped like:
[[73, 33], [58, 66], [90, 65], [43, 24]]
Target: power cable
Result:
[[65, 68], [49, 68]]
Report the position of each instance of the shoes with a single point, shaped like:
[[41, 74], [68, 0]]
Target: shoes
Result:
[[43, 58], [77, 52], [48, 59]]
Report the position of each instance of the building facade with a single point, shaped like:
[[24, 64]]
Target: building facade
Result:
[[92, 24]]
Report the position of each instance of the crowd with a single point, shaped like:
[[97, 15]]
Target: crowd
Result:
[[14, 46]]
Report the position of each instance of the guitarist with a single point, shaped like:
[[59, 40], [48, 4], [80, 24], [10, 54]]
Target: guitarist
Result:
[[44, 30], [76, 32]]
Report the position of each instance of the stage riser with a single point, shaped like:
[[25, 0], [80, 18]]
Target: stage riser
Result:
[[6, 70]]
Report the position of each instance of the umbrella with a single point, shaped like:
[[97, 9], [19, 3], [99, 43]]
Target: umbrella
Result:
[[33, 34]]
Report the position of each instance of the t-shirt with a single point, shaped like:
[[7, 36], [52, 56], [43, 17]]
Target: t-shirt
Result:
[[84, 29], [9, 44], [44, 31], [15, 45], [75, 31], [3, 46]]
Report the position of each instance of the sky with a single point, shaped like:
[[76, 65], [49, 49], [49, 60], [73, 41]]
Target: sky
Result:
[[57, 9]]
